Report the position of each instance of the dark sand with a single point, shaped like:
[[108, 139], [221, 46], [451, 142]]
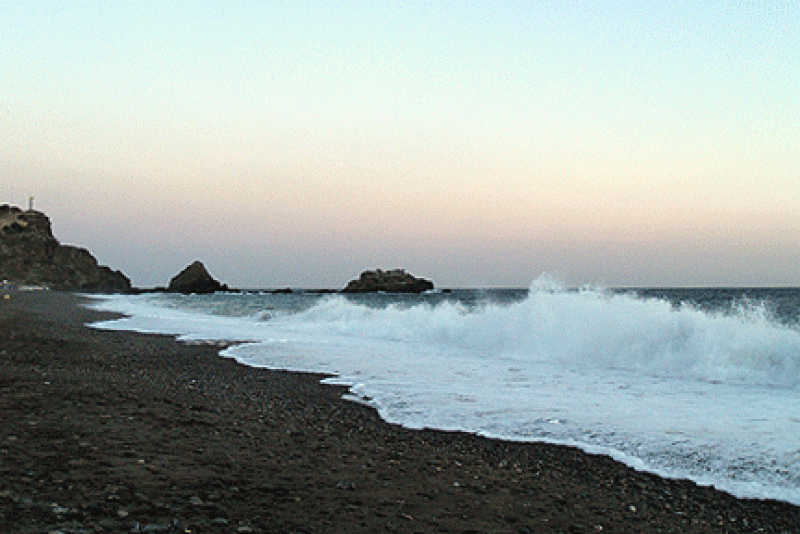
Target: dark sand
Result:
[[120, 432]]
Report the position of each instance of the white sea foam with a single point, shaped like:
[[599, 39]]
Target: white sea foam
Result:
[[678, 391]]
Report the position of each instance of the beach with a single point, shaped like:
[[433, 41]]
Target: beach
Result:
[[109, 431]]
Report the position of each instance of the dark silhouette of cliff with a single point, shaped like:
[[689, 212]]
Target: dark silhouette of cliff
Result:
[[31, 255]]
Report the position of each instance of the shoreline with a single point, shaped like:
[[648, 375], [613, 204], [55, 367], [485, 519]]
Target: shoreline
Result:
[[111, 431]]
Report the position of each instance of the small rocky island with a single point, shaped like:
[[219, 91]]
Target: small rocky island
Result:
[[31, 255], [393, 281], [195, 278]]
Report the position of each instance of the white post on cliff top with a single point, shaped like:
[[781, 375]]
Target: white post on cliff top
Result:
[[30, 203]]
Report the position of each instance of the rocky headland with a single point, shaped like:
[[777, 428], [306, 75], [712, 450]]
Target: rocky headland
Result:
[[393, 281], [31, 255]]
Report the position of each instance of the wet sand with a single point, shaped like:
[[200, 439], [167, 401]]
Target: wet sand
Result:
[[106, 431]]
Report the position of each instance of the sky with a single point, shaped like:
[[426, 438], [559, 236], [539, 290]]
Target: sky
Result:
[[477, 144]]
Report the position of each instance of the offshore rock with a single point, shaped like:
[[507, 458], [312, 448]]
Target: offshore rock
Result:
[[394, 281], [195, 279], [31, 255]]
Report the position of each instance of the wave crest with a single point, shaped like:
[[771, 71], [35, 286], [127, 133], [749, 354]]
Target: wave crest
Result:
[[585, 328]]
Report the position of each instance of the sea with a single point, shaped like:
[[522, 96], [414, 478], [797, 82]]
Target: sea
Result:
[[700, 383]]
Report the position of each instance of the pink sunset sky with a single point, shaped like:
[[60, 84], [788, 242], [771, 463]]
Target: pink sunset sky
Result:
[[473, 143]]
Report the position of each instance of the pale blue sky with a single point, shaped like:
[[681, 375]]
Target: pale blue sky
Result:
[[476, 143]]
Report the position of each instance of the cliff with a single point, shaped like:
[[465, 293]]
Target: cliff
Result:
[[30, 254]]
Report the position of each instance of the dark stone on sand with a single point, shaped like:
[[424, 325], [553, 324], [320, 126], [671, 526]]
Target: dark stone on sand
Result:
[[31, 255], [195, 279], [394, 281]]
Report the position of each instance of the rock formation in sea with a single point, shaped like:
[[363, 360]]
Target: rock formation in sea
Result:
[[195, 279], [393, 281], [31, 255]]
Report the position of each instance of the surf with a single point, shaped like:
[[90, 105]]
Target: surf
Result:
[[674, 387]]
